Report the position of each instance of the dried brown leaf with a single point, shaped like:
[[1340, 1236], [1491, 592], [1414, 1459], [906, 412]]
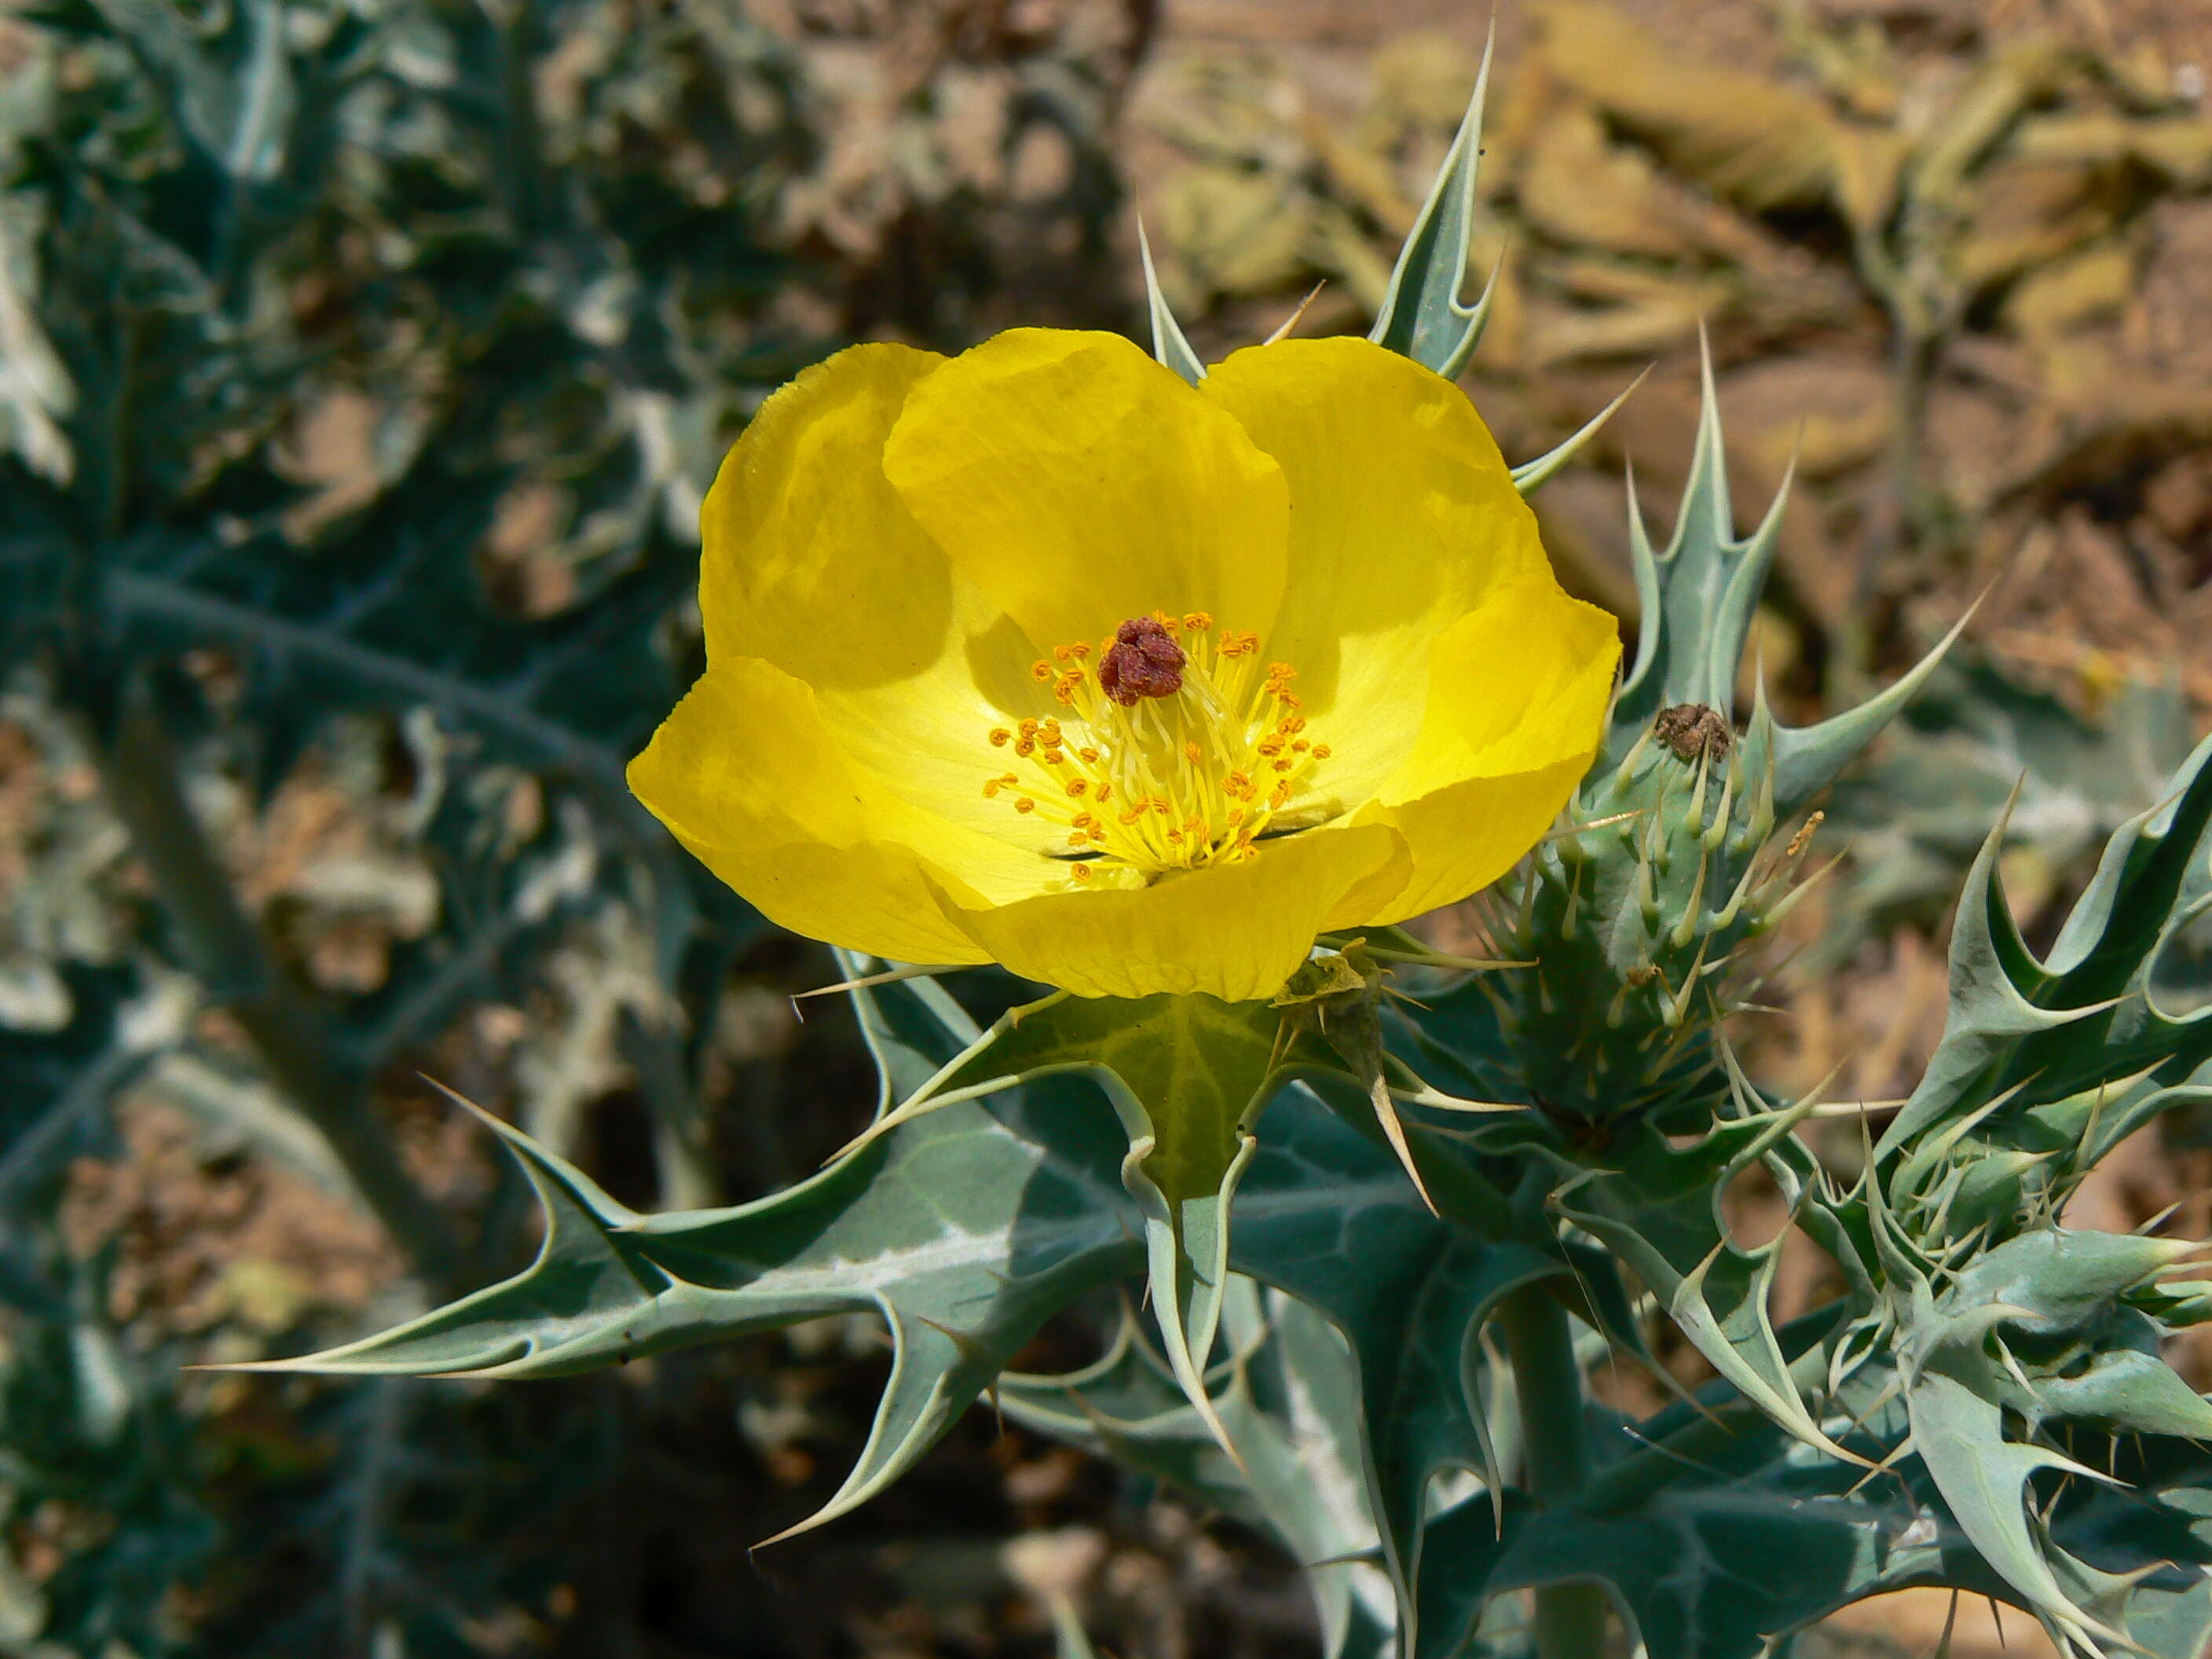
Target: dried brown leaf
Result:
[[1761, 142]]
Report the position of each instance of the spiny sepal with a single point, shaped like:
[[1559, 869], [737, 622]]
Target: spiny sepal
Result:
[[1336, 995], [1422, 316], [1168, 345]]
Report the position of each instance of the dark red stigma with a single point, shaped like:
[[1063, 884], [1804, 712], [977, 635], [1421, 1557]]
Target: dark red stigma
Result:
[[1144, 661]]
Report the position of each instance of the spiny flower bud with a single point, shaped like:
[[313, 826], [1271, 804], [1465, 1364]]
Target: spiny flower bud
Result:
[[1636, 916]]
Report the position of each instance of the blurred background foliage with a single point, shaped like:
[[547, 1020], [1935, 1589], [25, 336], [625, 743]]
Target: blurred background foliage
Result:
[[361, 365]]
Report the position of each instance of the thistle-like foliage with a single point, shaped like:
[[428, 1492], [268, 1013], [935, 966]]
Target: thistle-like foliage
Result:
[[1684, 842], [1380, 1371], [2018, 1345]]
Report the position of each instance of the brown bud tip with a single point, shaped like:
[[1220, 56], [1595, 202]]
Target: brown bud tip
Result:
[[1144, 661]]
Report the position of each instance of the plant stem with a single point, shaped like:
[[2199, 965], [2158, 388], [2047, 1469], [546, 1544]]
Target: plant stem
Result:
[[1571, 1618], [225, 949]]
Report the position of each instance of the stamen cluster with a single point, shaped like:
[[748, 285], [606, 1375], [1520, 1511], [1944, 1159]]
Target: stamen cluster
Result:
[[1176, 752]]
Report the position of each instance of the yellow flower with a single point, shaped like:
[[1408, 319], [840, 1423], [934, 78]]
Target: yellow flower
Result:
[[1040, 655]]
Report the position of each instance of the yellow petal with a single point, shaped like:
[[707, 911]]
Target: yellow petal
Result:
[[1081, 483], [1517, 703], [752, 782], [812, 562], [1403, 514], [1233, 931]]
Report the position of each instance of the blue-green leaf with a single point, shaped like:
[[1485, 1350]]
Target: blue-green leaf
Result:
[[1288, 1397], [964, 1232]]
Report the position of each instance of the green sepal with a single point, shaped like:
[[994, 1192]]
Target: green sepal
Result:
[[2058, 1284], [1422, 316], [1336, 994], [1168, 345]]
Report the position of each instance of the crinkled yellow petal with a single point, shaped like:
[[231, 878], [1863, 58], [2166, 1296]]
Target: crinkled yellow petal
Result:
[[1517, 702], [811, 561], [1233, 931], [751, 781], [1403, 514], [897, 537], [1079, 484]]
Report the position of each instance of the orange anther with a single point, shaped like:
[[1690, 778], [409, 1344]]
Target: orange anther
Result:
[[1001, 736], [1025, 805], [1039, 669]]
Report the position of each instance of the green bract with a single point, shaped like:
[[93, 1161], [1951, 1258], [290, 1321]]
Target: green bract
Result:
[[1386, 1239]]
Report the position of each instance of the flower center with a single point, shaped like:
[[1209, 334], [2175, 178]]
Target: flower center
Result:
[[1176, 750]]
